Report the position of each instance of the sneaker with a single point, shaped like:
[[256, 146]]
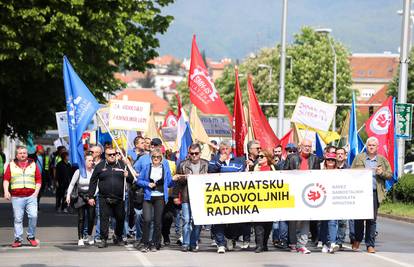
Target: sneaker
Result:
[[325, 249], [221, 250], [32, 241], [97, 240], [16, 243], [65, 210], [184, 249], [231, 244], [245, 245], [90, 240], [213, 244], [341, 247], [194, 249], [85, 239], [334, 248], [292, 248], [282, 245], [102, 244], [303, 250], [153, 249], [81, 243], [145, 249]]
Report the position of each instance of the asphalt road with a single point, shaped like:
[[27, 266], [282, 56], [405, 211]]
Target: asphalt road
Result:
[[57, 233]]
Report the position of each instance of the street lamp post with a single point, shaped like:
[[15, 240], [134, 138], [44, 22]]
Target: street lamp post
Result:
[[281, 108], [327, 31], [270, 70]]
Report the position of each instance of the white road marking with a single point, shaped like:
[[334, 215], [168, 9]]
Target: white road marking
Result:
[[400, 263], [140, 256]]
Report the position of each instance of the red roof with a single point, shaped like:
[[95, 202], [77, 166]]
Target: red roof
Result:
[[378, 98], [129, 76], [158, 105], [373, 66], [163, 60]]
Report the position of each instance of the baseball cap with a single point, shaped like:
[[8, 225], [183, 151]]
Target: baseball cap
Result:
[[39, 147], [291, 146], [330, 156], [156, 142]]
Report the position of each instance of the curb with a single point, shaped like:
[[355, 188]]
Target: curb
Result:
[[395, 217]]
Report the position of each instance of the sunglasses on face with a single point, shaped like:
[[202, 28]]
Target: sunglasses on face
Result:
[[194, 153], [261, 156], [257, 148], [291, 151], [111, 154], [156, 157], [330, 159]]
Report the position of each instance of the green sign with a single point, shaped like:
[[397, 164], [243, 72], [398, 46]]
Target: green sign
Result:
[[404, 120]]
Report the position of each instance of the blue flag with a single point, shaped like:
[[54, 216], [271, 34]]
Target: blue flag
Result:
[[390, 183], [81, 107], [318, 144], [186, 142], [356, 145]]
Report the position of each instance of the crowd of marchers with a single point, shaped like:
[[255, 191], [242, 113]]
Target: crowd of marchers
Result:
[[139, 197]]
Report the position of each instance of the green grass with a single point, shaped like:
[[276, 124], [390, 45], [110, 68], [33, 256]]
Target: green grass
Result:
[[397, 209]]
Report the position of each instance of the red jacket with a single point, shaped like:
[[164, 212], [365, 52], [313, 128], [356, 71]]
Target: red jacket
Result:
[[23, 192]]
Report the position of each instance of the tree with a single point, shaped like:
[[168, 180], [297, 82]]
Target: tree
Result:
[[98, 37], [393, 91], [311, 73]]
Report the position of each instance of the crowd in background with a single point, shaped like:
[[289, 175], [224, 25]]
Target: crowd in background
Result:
[[139, 197]]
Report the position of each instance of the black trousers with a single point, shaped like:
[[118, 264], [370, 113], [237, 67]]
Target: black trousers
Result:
[[262, 231], [90, 212], [154, 206], [111, 208], [60, 197], [167, 219]]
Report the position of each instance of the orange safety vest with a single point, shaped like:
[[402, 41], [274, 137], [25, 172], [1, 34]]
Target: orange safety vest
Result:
[[22, 178]]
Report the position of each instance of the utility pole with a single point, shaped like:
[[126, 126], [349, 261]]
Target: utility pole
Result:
[[402, 87], [281, 108]]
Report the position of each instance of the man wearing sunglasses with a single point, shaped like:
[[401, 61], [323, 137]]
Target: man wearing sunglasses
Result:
[[110, 176], [193, 165]]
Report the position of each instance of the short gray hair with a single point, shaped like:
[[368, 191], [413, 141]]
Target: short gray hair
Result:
[[252, 142], [225, 143], [372, 138]]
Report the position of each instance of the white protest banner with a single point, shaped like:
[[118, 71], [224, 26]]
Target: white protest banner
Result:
[[281, 195], [62, 123], [129, 115], [313, 113], [104, 112]]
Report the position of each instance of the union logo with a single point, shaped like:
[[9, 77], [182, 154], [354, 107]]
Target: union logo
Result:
[[381, 120], [314, 195], [205, 83]]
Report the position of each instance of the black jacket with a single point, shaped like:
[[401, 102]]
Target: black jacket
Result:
[[293, 162], [110, 180], [182, 187]]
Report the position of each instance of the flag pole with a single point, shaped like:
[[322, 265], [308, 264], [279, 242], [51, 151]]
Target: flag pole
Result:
[[116, 144]]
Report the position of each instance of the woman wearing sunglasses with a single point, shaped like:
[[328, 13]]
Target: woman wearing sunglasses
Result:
[[155, 178], [329, 228], [262, 229]]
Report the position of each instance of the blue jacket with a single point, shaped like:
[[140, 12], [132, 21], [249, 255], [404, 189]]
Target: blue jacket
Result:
[[235, 165], [145, 160], [144, 180]]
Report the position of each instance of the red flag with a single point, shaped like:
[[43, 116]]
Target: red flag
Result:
[[239, 122], [381, 125], [170, 119], [203, 93], [288, 138], [178, 104], [261, 128]]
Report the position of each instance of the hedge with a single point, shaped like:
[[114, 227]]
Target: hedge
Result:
[[404, 188]]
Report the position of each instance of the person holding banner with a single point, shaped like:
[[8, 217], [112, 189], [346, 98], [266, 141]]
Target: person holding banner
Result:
[[262, 229], [304, 160], [381, 172], [329, 228], [155, 178], [193, 165], [226, 162], [110, 176]]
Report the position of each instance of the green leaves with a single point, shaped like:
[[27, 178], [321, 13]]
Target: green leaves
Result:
[[36, 34]]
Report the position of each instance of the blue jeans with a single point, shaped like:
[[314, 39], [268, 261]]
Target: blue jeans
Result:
[[351, 226], [219, 233], [138, 224], [186, 211], [191, 233], [98, 220], [177, 222], [341, 231], [275, 231], [20, 205], [283, 231], [328, 232], [126, 220]]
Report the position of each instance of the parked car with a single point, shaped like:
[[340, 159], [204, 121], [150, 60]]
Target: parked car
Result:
[[409, 167]]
